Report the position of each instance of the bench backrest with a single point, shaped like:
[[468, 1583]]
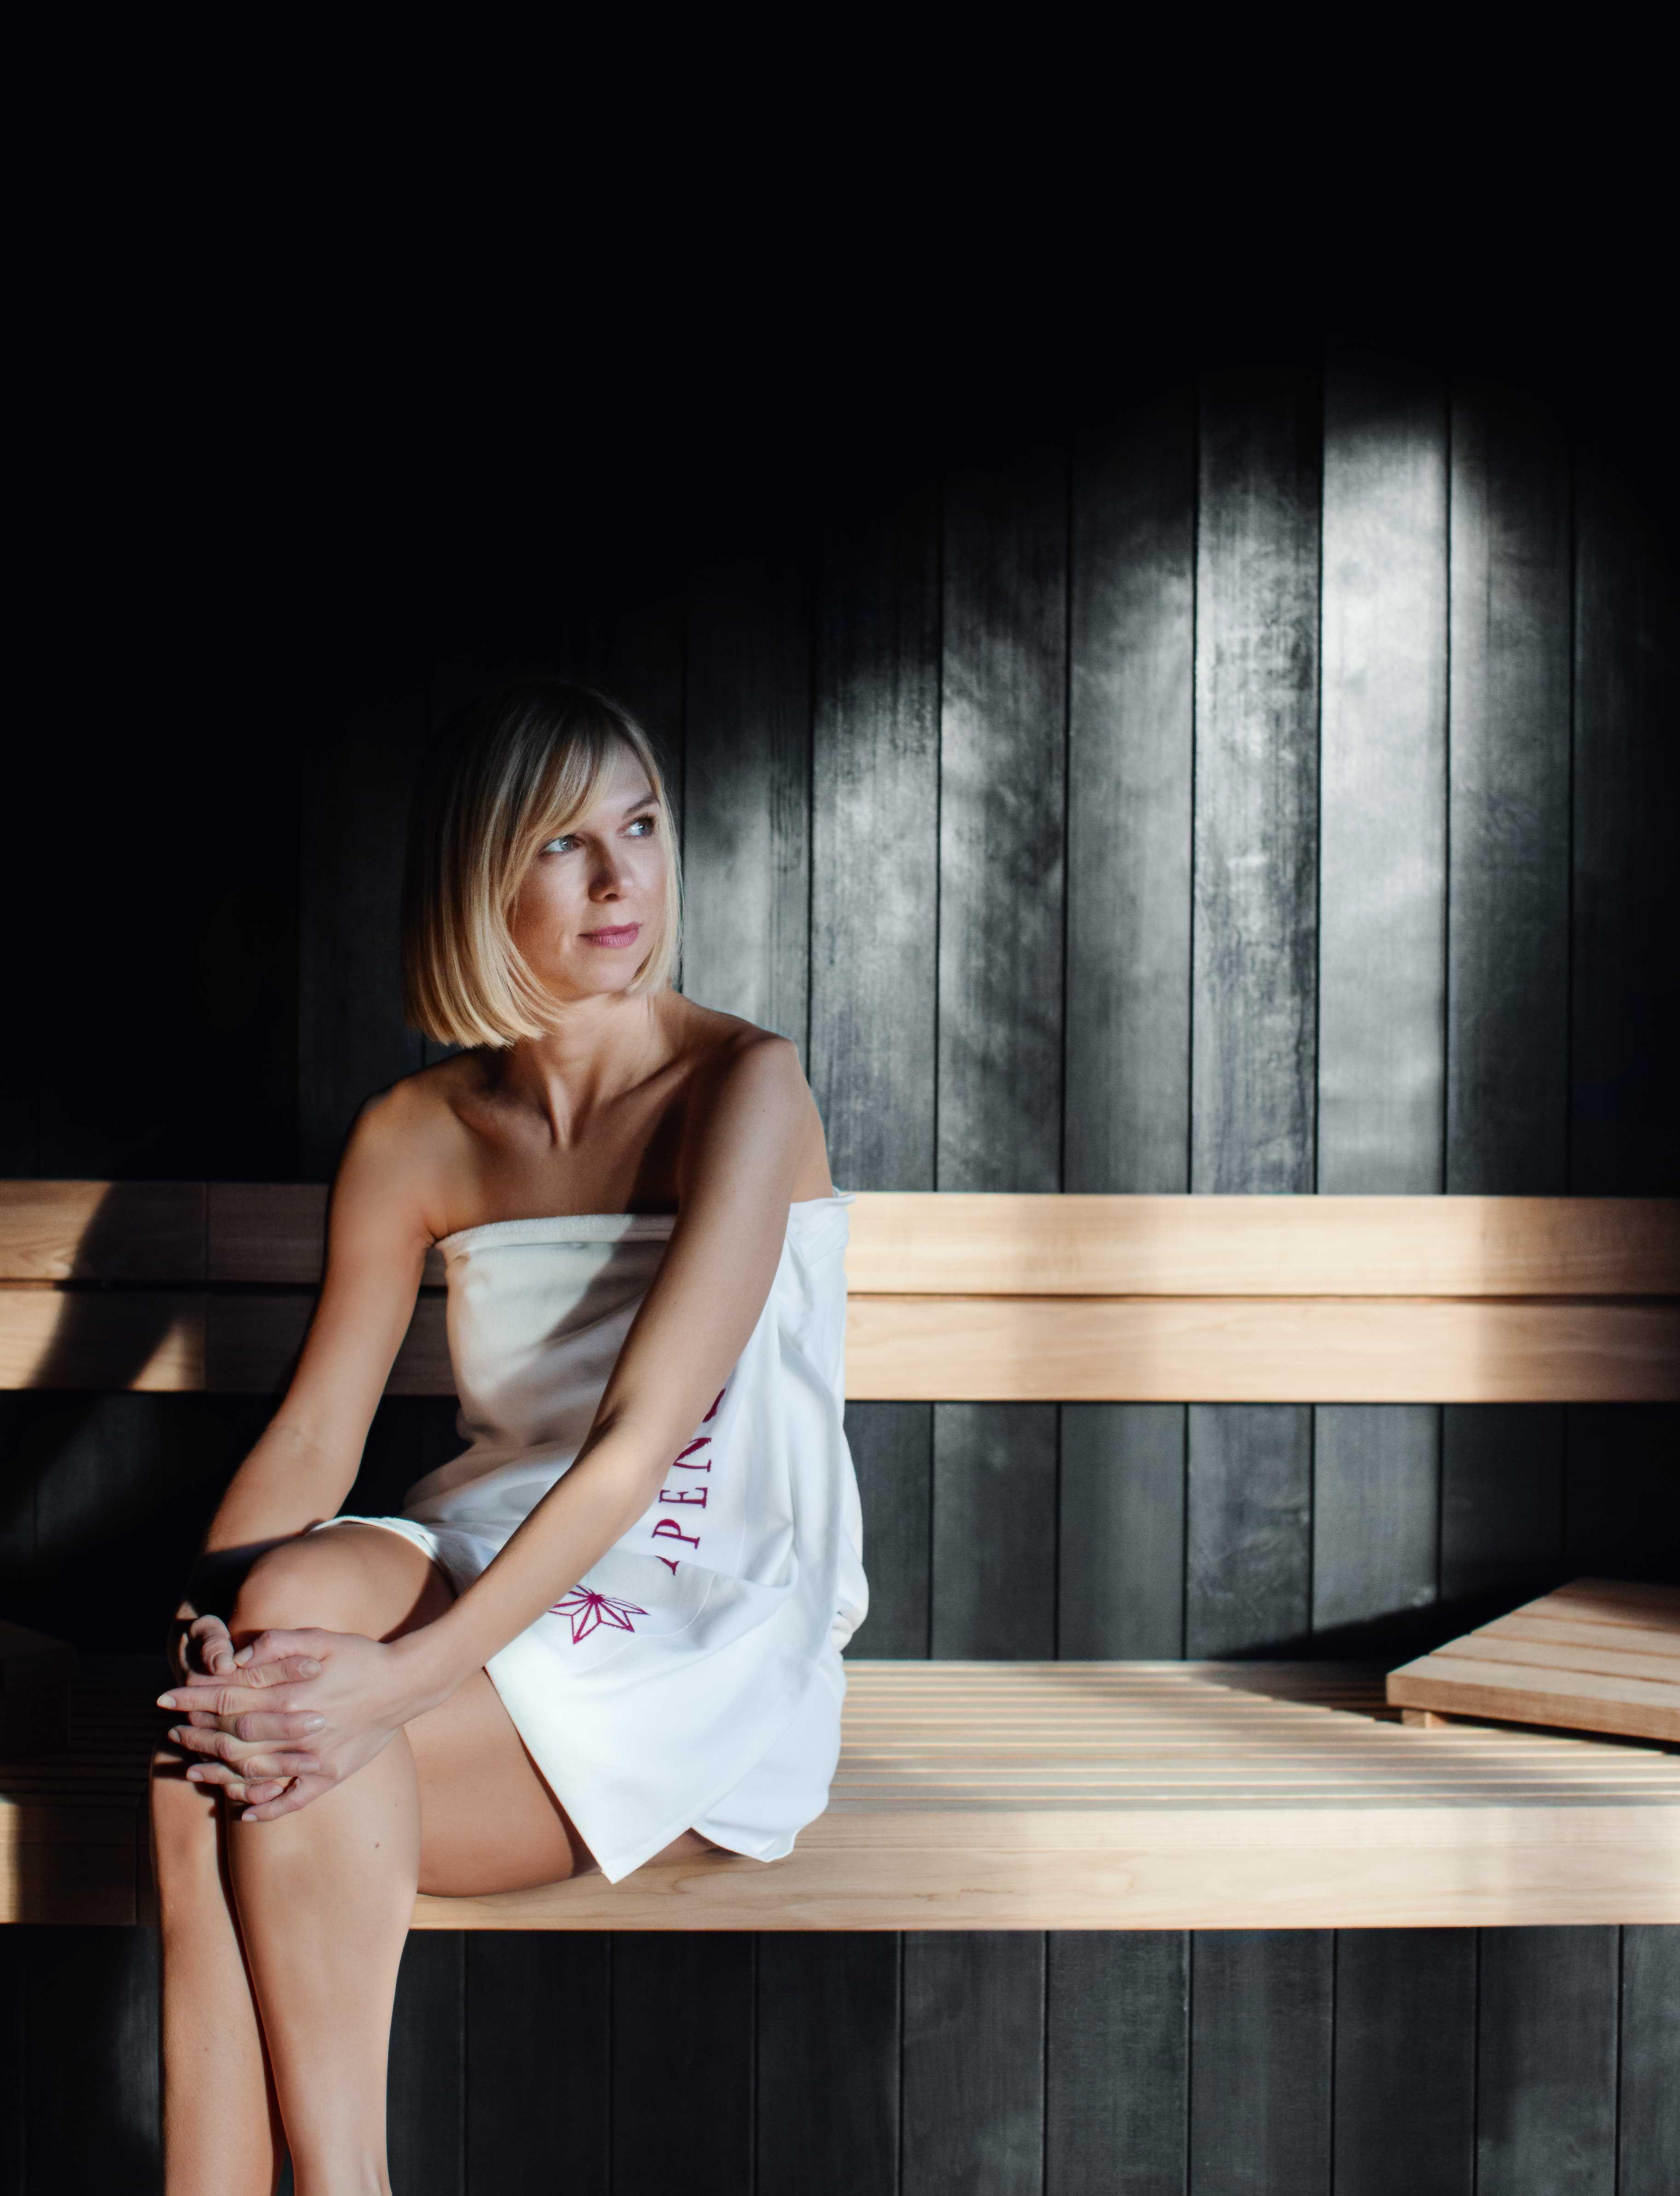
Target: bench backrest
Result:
[[953, 1296]]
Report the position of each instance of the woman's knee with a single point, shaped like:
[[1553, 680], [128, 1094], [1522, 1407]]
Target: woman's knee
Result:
[[351, 1579]]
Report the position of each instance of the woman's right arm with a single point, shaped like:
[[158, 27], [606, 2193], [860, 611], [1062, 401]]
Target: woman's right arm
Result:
[[304, 1463]]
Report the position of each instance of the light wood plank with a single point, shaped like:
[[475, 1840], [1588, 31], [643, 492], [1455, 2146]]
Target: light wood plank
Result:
[[950, 1242], [925, 1243]]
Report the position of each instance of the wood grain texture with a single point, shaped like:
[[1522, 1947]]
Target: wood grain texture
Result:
[[973, 2064], [91, 2025], [537, 2064], [1382, 792], [1405, 2061], [746, 798], [352, 1038], [1256, 868], [875, 848], [1120, 1575], [1595, 1656], [1116, 2064], [994, 1530], [1248, 1528], [426, 2099], [828, 2119], [1648, 2125], [1002, 766], [682, 2063], [1546, 2063], [891, 1448], [926, 1242], [1625, 998], [1261, 2006], [1507, 884], [1502, 1501], [1130, 738], [1375, 1513]]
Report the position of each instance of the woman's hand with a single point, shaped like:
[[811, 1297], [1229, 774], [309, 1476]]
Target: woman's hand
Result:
[[344, 1696]]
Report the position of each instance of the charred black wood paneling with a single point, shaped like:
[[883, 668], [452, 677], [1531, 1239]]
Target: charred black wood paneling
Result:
[[1406, 2062], [682, 2063], [828, 2065], [746, 794], [891, 1448], [1120, 1563], [1261, 2008], [974, 2111], [1253, 986], [426, 2101], [92, 2040], [1117, 2063], [538, 2012], [1649, 2111], [1546, 2062]]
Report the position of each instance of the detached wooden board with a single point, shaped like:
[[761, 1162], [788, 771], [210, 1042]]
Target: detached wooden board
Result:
[[1595, 1656]]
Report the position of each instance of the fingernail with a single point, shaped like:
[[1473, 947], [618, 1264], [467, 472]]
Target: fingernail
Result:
[[174, 1734], [310, 1667], [195, 1777], [249, 1816], [315, 1723], [244, 1655], [168, 1701]]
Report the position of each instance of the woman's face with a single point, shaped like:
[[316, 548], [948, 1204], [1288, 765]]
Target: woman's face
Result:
[[593, 895]]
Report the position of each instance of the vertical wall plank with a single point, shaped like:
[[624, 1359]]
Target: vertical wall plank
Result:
[[828, 2117], [1117, 2063], [91, 2022], [1502, 1501], [1003, 758], [1121, 1565], [1383, 894], [426, 2101], [1254, 947], [537, 2062], [1546, 2068], [1405, 2061], [1259, 2114], [891, 1448], [682, 2076], [973, 2099], [995, 1530], [352, 1039], [1381, 918], [1130, 731], [1649, 2122], [1256, 882], [1249, 1527], [13, 2095], [1624, 1013], [1507, 961], [1376, 1519], [1130, 737], [875, 848], [1621, 1507], [746, 794]]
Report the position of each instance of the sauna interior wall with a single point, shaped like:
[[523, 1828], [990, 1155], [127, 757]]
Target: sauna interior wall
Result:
[[1265, 783]]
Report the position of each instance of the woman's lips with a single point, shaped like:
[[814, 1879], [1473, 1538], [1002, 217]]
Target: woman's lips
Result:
[[625, 934]]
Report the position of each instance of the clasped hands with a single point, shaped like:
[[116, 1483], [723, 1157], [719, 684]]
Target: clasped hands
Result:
[[281, 1721]]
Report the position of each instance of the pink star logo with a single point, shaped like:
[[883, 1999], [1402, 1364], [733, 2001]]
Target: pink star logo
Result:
[[589, 1610]]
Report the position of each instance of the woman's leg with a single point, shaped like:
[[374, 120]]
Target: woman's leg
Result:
[[222, 2134], [324, 1896]]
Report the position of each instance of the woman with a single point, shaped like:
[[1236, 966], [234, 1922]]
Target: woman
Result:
[[610, 1632]]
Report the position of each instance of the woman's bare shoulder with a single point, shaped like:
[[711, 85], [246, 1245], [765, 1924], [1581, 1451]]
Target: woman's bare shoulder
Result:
[[410, 1141], [754, 1075]]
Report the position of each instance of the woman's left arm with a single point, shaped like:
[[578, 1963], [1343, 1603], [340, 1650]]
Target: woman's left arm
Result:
[[745, 1136]]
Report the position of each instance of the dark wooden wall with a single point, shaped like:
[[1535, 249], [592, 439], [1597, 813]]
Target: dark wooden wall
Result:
[[1266, 783]]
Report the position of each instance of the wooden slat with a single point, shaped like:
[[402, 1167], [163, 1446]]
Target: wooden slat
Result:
[[1314, 1350], [1594, 1656], [955, 1349], [950, 1242], [101, 1231]]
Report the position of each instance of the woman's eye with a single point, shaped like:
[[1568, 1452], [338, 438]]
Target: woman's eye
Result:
[[652, 822], [556, 846]]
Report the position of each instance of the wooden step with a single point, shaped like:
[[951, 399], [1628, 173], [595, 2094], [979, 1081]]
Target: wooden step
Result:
[[1044, 1795]]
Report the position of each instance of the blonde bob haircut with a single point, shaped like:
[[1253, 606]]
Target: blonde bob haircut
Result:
[[526, 763]]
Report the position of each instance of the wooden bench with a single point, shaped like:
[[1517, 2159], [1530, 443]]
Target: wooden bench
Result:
[[1071, 1794]]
